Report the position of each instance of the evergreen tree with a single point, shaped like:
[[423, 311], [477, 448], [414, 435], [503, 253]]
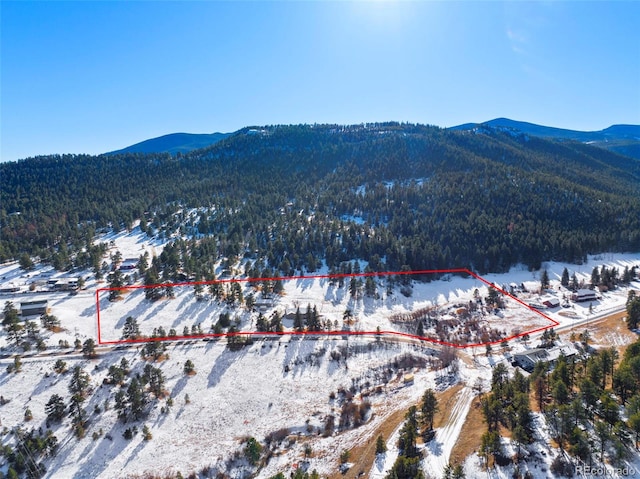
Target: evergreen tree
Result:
[[136, 398], [458, 472], [198, 290], [490, 445], [564, 281], [603, 435], [574, 285], [634, 425], [60, 366], [429, 407], [252, 451], [493, 298], [420, 330], [261, 323], [355, 285], [633, 310], [595, 277], [298, 323], [55, 408], [49, 322], [544, 280], [370, 288], [80, 381], [155, 379], [146, 433], [189, 368], [409, 435], [89, 348], [11, 323], [278, 287], [25, 262], [115, 284], [131, 330], [152, 291], [312, 319], [519, 436]]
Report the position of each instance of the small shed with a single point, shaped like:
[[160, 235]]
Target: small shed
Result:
[[551, 302]]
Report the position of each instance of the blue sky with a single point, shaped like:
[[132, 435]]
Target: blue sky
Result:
[[91, 77]]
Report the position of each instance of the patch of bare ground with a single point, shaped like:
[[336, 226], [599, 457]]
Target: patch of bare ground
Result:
[[612, 331], [534, 404], [446, 400], [363, 455]]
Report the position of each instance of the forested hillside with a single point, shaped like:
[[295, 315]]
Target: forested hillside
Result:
[[395, 195]]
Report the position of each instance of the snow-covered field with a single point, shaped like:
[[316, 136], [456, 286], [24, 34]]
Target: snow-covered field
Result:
[[262, 388]]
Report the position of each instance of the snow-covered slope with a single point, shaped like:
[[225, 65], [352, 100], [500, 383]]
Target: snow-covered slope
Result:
[[268, 386]]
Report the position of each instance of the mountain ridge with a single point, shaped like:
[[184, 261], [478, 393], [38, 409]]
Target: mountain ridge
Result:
[[620, 138], [416, 196], [617, 131]]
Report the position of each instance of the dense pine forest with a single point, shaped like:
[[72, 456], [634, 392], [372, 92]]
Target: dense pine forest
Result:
[[395, 195]]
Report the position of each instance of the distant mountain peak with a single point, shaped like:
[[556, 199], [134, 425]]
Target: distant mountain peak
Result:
[[622, 139], [174, 143]]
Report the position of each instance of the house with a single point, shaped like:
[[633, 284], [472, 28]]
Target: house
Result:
[[264, 304], [551, 302], [10, 288], [34, 308], [584, 295], [291, 316], [128, 264], [527, 359], [63, 284]]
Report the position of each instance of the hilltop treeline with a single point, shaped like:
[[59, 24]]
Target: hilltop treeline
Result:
[[395, 195]]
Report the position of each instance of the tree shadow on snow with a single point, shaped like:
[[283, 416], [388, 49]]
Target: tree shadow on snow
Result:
[[335, 294], [91, 310], [105, 449], [435, 447], [223, 363], [177, 389], [136, 451], [304, 283], [197, 312], [186, 298], [44, 384]]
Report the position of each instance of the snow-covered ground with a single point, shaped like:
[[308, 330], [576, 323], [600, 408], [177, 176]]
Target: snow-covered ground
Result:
[[267, 386]]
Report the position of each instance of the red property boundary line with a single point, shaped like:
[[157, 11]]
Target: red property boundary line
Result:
[[552, 322]]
